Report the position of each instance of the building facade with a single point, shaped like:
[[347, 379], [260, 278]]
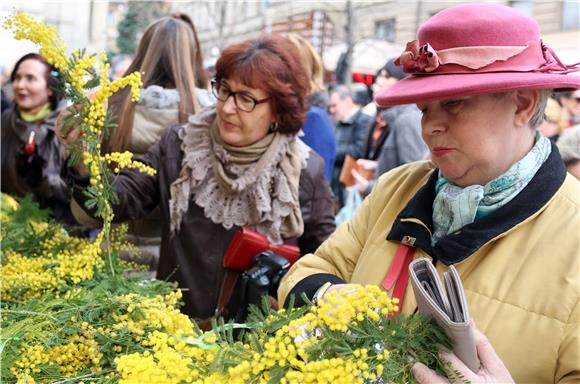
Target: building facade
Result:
[[92, 24], [81, 24], [220, 22]]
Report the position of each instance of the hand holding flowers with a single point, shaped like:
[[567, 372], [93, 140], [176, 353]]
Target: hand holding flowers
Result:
[[88, 123], [492, 368]]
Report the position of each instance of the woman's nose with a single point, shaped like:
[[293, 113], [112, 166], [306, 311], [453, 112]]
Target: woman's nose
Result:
[[432, 124], [230, 105], [18, 84]]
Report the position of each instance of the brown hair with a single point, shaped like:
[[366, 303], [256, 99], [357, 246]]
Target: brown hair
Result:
[[311, 61], [270, 63], [51, 75], [167, 57], [201, 77]]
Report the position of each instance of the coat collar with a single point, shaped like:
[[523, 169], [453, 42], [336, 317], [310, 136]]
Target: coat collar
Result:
[[42, 128], [352, 117], [416, 218]]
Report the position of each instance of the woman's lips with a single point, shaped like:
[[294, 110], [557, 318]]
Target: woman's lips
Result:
[[228, 125], [440, 151]]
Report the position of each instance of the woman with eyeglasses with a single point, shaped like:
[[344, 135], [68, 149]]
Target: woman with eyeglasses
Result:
[[238, 164]]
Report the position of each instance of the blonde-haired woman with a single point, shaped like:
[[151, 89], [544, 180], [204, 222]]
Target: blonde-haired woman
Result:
[[318, 128], [168, 56], [311, 62]]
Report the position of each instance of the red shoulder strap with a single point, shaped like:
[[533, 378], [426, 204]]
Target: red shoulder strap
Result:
[[398, 273]]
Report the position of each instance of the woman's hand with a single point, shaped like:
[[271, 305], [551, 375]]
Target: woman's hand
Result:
[[69, 137], [360, 182], [492, 369], [367, 169], [348, 288], [367, 165]]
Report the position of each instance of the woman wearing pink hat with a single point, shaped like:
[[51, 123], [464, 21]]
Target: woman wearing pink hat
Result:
[[495, 201]]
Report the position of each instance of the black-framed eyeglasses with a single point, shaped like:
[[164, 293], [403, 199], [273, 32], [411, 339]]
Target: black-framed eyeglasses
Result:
[[243, 101]]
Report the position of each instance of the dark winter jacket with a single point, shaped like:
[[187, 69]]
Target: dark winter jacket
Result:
[[38, 173], [193, 257], [404, 143]]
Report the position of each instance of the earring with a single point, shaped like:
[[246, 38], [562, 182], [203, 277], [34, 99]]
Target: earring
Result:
[[274, 126]]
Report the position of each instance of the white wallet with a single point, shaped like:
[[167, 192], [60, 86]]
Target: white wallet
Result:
[[447, 306]]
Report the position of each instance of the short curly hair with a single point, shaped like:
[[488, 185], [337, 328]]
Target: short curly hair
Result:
[[270, 63]]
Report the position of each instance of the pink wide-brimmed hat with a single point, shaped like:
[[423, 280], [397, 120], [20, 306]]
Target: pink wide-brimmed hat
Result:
[[474, 49]]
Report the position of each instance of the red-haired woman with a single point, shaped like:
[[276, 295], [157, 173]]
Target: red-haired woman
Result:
[[234, 165]]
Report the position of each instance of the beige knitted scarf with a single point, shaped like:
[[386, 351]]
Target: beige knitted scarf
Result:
[[254, 186]]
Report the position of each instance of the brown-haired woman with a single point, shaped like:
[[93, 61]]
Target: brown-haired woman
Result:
[[169, 58], [32, 156], [239, 164], [201, 75]]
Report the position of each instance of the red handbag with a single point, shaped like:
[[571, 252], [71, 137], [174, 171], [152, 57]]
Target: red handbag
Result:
[[246, 244]]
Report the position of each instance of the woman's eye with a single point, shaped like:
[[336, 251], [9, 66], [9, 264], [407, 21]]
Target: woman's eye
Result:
[[452, 103], [245, 98]]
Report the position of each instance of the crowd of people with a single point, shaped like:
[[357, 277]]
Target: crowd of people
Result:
[[462, 157]]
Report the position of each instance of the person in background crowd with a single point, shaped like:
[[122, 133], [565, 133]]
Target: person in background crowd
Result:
[[5, 102], [389, 75], [554, 122], [378, 133], [351, 131], [168, 56], [32, 156], [361, 95], [6, 92], [203, 93], [385, 78], [496, 201], [570, 103], [403, 144], [239, 164], [569, 146], [401, 136], [318, 128]]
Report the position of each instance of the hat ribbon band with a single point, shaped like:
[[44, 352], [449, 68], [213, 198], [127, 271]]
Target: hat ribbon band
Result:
[[555, 65], [534, 56]]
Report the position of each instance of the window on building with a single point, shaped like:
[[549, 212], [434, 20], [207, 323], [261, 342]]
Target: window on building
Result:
[[385, 29], [570, 14], [524, 6]]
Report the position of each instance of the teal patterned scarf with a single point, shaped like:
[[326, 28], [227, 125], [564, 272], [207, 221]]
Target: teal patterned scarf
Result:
[[455, 207]]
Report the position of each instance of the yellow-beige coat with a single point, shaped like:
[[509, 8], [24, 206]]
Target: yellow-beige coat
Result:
[[522, 286]]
